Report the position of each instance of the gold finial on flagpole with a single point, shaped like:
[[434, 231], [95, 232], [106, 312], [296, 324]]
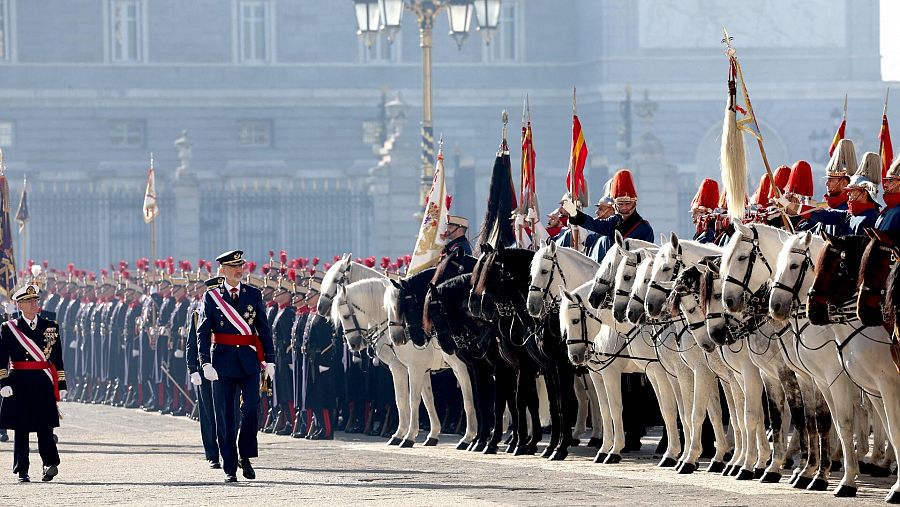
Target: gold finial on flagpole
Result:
[[504, 117], [726, 39]]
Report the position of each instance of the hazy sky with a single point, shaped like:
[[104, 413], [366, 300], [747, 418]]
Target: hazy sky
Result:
[[890, 40]]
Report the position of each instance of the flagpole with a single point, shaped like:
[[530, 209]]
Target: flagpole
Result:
[[574, 243], [24, 223], [153, 308], [887, 94]]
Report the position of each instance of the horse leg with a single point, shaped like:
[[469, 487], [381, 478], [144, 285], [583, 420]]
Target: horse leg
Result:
[[596, 416], [417, 377], [687, 386], [565, 381], [612, 381], [786, 403], [581, 396], [552, 382], [434, 421], [465, 385], [714, 409], [598, 378], [841, 398], [400, 375], [668, 406], [822, 418], [755, 443], [532, 400], [889, 387], [704, 385]]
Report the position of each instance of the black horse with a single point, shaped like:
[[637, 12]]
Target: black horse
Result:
[[499, 296]]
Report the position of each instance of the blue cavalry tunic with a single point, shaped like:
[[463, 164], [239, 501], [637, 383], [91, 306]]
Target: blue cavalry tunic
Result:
[[634, 227], [238, 368], [889, 220], [853, 224], [459, 243]]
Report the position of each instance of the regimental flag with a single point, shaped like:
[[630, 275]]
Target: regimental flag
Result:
[[840, 131], [429, 243], [22, 212], [575, 183], [151, 210], [527, 195], [885, 149], [496, 228], [7, 258]]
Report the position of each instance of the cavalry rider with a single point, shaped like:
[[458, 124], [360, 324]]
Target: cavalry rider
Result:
[[863, 201], [455, 235], [799, 189], [626, 219], [702, 207], [840, 167], [235, 342], [889, 218], [33, 384]]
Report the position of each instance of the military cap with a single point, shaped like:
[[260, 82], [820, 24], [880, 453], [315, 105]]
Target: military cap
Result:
[[214, 282], [458, 221], [178, 281], [26, 293], [231, 258]]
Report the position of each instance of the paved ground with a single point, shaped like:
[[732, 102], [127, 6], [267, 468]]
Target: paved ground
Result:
[[114, 455]]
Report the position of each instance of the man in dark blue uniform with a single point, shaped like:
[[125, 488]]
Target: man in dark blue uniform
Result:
[[282, 322], [33, 384], [231, 331], [702, 207], [889, 219], [455, 235], [301, 314], [206, 410], [322, 352]]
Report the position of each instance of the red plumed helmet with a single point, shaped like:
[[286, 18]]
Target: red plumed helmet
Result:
[[103, 272], [707, 195], [125, 274], [70, 267], [251, 267], [123, 264], [292, 275], [315, 261], [265, 269], [45, 263], [303, 261], [171, 268], [358, 260], [271, 254], [781, 176], [369, 262], [283, 256], [336, 258], [92, 276], [801, 179], [401, 261], [385, 262], [622, 186], [327, 266], [30, 262], [187, 266], [201, 263], [761, 196]]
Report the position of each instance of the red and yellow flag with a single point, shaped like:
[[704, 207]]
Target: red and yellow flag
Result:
[[527, 196], [575, 182], [885, 149], [838, 136]]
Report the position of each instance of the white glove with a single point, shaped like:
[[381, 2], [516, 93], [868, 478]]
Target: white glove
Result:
[[178, 354], [532, 215], [270, 371], [6, 392], [135, 352], [520, 221], [355, 359], [569, 206], [62, 394], [323, 369], [210, 373], [195, 378], [291, 366], [73, 345], [376, 361]]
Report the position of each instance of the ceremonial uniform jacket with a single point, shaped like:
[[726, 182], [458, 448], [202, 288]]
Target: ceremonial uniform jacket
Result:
[[234, 360], [191, 354], [322, 349], [854, 223], [835, 229], [127, 325], [634, 227], [707, 235], [459, 243], [282, 339], [176, 323], [32, 407], [889, 221]]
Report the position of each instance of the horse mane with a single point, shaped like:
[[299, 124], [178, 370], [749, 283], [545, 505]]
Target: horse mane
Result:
[[496, 228], [872, 246], [892, 291], [707, 281], [418, 283], [466, 264], [458, 283]]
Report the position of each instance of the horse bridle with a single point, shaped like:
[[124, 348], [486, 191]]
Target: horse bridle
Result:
[[553, 269], [755, 254], [794, 290], [638, 258], [583, 313], [368, 335], [845, 313], [675, 270]]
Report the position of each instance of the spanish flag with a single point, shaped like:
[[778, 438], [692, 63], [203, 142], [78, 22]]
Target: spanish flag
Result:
[[575, 182], [840, 131]]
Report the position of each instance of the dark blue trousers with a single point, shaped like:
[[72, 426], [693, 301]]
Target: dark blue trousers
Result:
[[224, 391], [207, 413]]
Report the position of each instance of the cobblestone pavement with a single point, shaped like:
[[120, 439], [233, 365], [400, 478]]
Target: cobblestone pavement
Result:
[[114, 455]]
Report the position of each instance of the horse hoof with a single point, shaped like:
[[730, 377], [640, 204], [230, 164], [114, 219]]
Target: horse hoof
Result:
[[788, 464], [406, 444], [734, 470], [479, 446], [758, 473], [715, 467], [678, 465], [520, 451], [508, 440], [431, 442], [836, 465], [845, 492], [394, 441], [462, 446], [687, 468], [727, 457], [600, 457], [727, 471], [612, 459], [879, 471], [595, 442], [864, 467], [802, 482], [490, 449], [548, 451], [531, 449], [794, 475], [744, 475], [817, 485], [472, 445], [770, 478], [559, 455], [666, 463], [893, 497], [510, 449]]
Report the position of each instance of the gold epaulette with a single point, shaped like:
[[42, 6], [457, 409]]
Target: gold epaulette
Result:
[[61, 376], [4, 373]]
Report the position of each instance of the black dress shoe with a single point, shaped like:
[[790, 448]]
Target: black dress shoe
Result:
[[249, 473], [49, 473], [230, 478], [24, 478], [214, 464]]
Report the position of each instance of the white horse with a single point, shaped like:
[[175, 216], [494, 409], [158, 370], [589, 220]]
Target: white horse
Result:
[[420, 361], [341, 273], [699, 387]]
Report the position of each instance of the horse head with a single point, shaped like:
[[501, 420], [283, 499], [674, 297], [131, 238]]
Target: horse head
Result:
[[745, 262], [666, 266], [337, 275], [624, 281], [544, 268], [877, 261], [573, 326], [604, 278], [793, 275], [684, 300], [835, 280], [711, 304]]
